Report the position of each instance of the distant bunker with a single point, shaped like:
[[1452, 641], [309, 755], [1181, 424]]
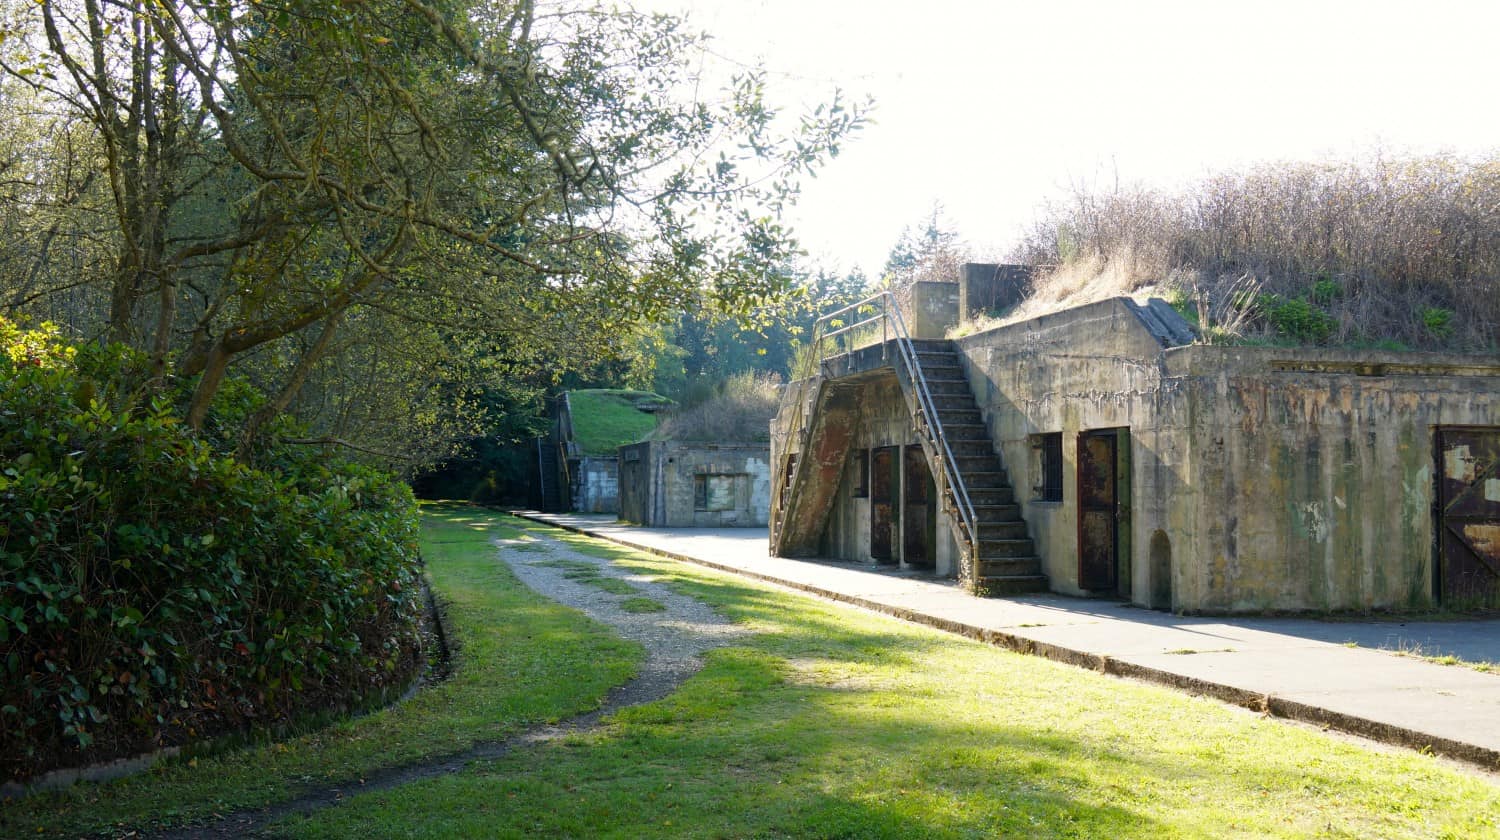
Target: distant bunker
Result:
[[683, 484]]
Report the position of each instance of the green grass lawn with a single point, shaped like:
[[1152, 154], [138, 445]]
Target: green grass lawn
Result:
[[520, 660], [605, 419], [825, 721], [832, 722]]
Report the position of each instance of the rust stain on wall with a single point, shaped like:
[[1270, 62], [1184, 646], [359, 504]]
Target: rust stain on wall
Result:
[[1485, 539]]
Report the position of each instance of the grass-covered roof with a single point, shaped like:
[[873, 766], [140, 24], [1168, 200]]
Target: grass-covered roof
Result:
[[605, 419]]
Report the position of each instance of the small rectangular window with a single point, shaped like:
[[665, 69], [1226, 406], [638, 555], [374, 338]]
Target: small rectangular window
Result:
[[715, 492], [1047, 464], [861, 473]]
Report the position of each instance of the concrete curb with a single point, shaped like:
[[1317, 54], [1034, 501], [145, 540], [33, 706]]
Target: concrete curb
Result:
[[1270, 704]]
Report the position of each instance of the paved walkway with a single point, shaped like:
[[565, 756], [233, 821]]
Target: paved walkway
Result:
[[1337, 673]]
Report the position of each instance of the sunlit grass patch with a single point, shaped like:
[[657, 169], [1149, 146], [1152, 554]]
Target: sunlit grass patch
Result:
[[833, 722], [642, 605]]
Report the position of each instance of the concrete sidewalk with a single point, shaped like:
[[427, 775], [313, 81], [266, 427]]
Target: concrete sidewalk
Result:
[[1342, 674]]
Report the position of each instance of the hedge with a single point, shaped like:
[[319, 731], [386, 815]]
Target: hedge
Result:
[[155, 591]]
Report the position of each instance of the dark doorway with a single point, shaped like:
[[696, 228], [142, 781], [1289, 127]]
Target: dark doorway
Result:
[[1468, 568], [917, 520], [882, 501], [1099, 510]]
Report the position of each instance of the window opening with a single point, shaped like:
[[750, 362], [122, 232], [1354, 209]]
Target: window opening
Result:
[[1049, 466], [715, 492]]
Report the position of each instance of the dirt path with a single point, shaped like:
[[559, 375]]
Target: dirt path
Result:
[[675, 638]]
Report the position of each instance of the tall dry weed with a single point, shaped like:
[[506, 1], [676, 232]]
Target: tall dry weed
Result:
[[1391, 250], [738, 409]]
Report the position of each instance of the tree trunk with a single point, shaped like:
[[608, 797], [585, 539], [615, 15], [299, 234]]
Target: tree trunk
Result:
[[214, 368], [298, 377]]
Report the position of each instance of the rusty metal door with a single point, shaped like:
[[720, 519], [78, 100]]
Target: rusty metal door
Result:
[[1097, 511], [882, 501], [916, 539], [1469, 517]]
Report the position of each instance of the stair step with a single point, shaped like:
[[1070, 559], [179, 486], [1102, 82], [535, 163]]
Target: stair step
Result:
[[1014, 529], [945, 387], [945, 402], [1010, 566], [966, 431], [924, 353], [1002, 585], [960, 414], [975, 480], [996, 512], [922, 345], [971, 448], [989, 496], [998, 549], [978, 462]]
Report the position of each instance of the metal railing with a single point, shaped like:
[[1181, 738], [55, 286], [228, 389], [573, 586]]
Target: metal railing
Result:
[[846, 338]]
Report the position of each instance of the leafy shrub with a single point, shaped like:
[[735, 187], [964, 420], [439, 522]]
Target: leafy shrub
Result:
[[1324, 291], [153, 590], [1438, 322], [1296, 318]]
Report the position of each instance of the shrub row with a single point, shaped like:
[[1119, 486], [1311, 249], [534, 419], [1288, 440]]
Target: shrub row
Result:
[[153, 590]]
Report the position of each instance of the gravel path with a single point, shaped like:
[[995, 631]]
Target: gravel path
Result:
[[675, 638]]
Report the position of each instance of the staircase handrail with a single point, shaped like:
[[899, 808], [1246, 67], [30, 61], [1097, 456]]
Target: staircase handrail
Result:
[[797, 390], [968, 520], [892, 325]]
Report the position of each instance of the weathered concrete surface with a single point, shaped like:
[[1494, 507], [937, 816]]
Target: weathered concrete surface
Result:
[[929, 309], [881, 417], [1315, 472], [1259, 478], [596, 484], [1296, 668], [987, 287], [818, 470], [1092, 367], [659, 478]]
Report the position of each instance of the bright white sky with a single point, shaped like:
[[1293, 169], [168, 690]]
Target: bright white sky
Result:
[[993, 107]]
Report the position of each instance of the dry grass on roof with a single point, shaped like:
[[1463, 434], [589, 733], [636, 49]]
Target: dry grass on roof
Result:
[[738, 411], [1385, 252]]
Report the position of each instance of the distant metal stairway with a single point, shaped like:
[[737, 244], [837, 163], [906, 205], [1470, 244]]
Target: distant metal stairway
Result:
[[997, 555], [549, 472]]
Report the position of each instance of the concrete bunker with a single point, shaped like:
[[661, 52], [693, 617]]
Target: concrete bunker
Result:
[[681, 484], [578, 465], [1171, 474]]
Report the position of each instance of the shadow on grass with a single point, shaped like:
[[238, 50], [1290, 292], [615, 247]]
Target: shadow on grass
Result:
[[740, 751], [836, 723]]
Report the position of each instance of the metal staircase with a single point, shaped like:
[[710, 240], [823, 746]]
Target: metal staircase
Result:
[[549, 472], [1005, 557], [997, 556]]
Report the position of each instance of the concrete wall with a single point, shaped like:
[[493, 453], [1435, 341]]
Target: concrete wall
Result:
[[988, 288], [883, 420], [1261, 479], [929, 309], [595, 484], [1314, 473], [658, 483], [1093, 367]]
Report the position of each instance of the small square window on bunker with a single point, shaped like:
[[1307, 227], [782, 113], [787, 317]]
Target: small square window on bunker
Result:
[[715, 492], [1047, 467]]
